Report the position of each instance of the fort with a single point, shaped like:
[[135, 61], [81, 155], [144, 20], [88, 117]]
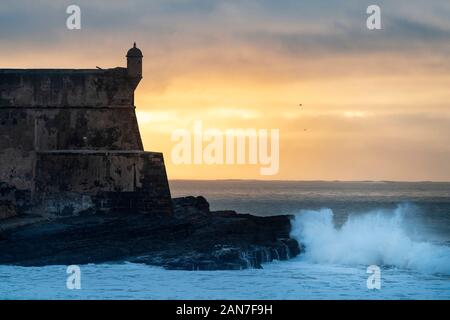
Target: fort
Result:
[[70, 143], [77, 187]]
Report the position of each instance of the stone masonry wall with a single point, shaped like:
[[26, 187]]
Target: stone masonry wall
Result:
[[71, 182], [50, 88], [26, 131], [70, 142]]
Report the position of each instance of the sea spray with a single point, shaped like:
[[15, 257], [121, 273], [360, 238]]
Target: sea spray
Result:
[[381, 237]]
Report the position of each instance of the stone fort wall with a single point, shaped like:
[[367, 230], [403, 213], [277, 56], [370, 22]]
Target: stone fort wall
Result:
[[74, 134]]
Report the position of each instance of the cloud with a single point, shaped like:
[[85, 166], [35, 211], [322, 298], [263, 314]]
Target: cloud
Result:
[[248, 63], [265, 39]]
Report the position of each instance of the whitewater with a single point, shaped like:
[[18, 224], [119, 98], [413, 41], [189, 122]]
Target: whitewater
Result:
[[380, 237], [404, 228]]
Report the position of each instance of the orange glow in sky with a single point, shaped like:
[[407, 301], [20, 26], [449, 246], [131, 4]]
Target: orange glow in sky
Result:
[[375, 104]]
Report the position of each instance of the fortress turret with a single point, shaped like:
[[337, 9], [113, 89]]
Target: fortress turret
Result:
[[134, 62]]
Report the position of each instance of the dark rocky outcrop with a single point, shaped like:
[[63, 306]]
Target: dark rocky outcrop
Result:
[[193, 238]]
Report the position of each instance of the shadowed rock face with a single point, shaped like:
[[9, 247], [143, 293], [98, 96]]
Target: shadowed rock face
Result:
[[193, 238]]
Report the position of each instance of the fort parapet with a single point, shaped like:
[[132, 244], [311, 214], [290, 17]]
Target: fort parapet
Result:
[[70, 142]]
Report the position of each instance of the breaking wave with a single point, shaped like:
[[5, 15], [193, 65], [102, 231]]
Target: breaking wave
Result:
[[380, 237]]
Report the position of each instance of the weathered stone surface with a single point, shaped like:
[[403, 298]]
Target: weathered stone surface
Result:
[[193, 238], [70, 142], [49, 88], [7, 201], [76, 181]]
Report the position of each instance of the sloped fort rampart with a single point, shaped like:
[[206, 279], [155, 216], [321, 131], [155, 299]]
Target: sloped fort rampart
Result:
[[70, 142]]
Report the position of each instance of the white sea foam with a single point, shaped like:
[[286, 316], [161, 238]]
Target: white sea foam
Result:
[[380, 237]]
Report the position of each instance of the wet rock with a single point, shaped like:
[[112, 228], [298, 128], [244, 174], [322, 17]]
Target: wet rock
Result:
[[190, 205], [193, 238]]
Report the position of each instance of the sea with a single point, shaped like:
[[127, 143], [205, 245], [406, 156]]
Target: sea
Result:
[[363, 240]]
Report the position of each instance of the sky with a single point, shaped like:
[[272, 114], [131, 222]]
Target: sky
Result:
[[375, 103]]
